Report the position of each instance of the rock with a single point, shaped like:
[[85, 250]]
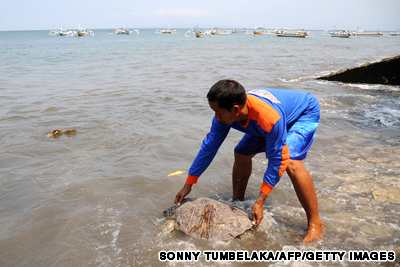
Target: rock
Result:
[[386, 71]]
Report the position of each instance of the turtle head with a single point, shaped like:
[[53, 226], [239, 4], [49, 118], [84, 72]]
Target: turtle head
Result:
[[169, 212]]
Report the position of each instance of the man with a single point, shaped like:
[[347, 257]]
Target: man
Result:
[[280, 123]]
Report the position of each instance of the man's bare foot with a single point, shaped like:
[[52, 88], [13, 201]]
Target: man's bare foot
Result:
[[315, 233]]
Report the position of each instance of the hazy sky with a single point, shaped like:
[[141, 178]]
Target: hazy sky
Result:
[[109, 14]]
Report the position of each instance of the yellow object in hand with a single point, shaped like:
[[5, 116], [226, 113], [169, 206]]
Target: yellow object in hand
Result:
[[176, 173]]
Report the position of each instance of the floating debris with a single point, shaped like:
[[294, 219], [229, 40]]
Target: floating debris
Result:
[[176, 173]]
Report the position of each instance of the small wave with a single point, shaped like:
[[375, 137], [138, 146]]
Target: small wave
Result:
[[372, 87], [296, 80], [386, 116]]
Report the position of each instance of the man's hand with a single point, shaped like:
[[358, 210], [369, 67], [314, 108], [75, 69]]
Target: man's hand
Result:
[[182, 194], [258, 209]]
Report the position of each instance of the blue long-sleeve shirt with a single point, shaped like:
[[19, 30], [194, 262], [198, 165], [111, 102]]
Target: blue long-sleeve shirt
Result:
[[271, 113]]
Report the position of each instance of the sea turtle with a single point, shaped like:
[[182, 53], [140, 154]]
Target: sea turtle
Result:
[[57, 132], [208, 219]]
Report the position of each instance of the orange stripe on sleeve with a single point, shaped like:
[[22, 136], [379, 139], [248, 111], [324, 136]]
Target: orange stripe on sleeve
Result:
[[265, 115], [266, 188], [285, 160], [192, 179]]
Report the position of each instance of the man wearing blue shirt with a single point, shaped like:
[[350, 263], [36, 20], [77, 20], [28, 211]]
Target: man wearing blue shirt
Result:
[[280, 123]]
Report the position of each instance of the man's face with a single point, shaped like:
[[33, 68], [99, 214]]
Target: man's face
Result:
[[224, 115]]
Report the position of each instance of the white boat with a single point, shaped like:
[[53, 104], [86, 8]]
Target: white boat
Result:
[[261, 30], [292, 33], [364, 34], [395, 33], [166, 31], [122, 31], [196, 31], [361, 33], [219, 31], [83, 32], [248, 32], [62, 32], [340, 33]]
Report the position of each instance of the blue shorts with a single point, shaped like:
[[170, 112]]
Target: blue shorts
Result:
[[300, 137]]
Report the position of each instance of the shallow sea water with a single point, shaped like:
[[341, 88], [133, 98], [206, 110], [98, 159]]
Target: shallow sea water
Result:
[[95, 198]]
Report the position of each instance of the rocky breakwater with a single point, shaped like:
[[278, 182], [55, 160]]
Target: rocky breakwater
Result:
[[386, 72]]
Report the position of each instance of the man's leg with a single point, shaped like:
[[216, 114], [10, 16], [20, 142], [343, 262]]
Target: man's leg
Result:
[[240, 175], [305, 190]]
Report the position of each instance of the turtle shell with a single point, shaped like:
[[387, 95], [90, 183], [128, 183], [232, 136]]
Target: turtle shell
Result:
[[210, 219]]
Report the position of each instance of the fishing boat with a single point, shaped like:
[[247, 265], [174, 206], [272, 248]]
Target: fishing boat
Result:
[[340, 33], [200, 33], [337, 33], [166, 31], [261, 30], [197, 31], [61, 32], [395, 33], [219, 31], [248, 32], [122, 31], [361, 33], [291, 33], [81, 31]]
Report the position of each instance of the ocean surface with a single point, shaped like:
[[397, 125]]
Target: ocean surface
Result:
[[138, 104]]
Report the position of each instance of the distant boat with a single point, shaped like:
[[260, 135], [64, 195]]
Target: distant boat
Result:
[[196, 31], [166, 31], [261, 30], [291, 33], [61, 32], [395, 33], [361, 33], [219, 31], [340, 33], [122, 31], [81, 31]]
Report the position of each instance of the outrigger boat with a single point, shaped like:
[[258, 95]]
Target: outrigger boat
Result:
[[197, 31], [361, 33], [261, 30], [291, 33], [395, 33], [340, 33], [219, 31], [81, 31], [122, 31], [337, 33], [166, 31], [62, 32], [248, 32]]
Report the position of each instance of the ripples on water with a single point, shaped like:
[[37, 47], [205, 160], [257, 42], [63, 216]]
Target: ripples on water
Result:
[[138, 103]]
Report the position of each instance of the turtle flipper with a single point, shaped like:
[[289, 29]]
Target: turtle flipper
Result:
[[168, 227]]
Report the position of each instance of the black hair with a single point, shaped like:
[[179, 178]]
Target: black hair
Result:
[[228, 93]]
